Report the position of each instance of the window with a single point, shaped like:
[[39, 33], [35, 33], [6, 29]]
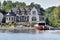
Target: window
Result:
[[7, 18], [26, 13], [34, 12], [34, 19], [22, 18], [19, 12], [12, 18], [41, 18], [27, 18]]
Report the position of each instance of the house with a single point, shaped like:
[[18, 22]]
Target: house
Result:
[[10, 17], [31, 15]]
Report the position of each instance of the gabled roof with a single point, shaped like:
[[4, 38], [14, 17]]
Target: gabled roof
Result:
[[24, 10], [21, 9], [11, 13]]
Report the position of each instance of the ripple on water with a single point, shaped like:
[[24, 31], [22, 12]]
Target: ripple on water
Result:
[[42, 35]]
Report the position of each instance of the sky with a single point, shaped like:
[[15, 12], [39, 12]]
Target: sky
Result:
[[44, 3]]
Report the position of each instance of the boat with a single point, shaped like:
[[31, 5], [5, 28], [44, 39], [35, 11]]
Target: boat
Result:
[[41, 27], [37, 27]]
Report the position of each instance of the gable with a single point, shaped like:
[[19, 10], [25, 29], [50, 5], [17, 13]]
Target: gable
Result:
[[34, 11]]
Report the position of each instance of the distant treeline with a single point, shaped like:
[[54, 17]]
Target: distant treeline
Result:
[[52, 15], [9, 4]]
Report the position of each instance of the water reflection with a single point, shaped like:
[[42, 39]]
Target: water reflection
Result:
[[31, 35], [29, 31]]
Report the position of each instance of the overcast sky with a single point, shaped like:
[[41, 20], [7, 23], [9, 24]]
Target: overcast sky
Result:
[[44, 3]]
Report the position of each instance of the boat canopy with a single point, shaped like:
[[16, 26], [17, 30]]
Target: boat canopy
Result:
[[41, 24]]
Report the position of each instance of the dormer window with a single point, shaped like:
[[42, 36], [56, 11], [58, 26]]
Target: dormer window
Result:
[[11, 10], [19, 11], [34, 12]]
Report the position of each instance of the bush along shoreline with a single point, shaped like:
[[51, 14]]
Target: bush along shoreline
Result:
[[7, 24]]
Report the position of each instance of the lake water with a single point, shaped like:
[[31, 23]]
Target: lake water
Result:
[[41, 35]]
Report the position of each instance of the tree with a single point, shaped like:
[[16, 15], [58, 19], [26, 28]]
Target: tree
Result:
[[37, 6], [48, 14], [53, 15], [32, 4], [8, 5], [15, 4], [56, 17], [50, 9], [22, 5], [4, 3], [0, 5]]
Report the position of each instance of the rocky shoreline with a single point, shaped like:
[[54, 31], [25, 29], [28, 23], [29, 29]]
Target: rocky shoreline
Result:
[[54, 28], [22, 30]]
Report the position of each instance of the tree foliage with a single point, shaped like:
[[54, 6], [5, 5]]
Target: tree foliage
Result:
[[53, 15], [4, 3], [38, 6], [21, 5], [15, 4], [0, 3], [7, 5]]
